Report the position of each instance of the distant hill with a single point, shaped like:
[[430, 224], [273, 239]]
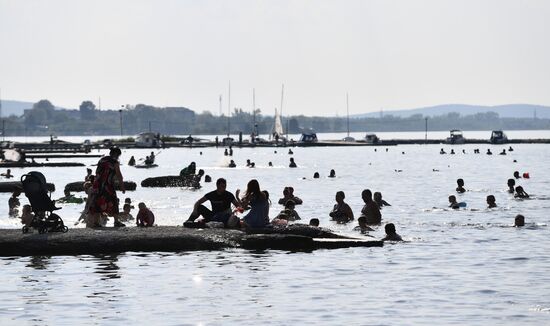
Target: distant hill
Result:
[[504, 111], [10, 107]]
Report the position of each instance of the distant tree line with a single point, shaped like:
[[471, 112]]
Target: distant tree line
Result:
[[43, 119]]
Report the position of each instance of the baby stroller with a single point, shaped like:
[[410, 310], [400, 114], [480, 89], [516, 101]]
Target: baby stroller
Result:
[[34, 186]]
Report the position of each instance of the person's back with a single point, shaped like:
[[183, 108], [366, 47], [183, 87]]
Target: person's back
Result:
[[391, 234], [145, 217], [371, 211]]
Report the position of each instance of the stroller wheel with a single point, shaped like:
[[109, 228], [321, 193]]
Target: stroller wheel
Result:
[[25, 229], [64, 229]]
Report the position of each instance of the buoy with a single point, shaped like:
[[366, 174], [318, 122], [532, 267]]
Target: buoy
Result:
[[526, 175]]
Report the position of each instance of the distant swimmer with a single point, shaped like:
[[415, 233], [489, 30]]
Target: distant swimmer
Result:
[[489, 152], [225, 152], [371, 211], [463, 151], [341, 212], [511, 185], [132, 161], [516, 175], [332, 174], [391, 233], [207, 178], [377, 197], [316, 175], [290, 152], [503, 152], [442, 152], [288, 194], [7, 174], [230, 151], [510, 149], [435, 170], [362, 227], [275, 152], [314, 222], [386, 149], [232, 164], [454, 204], [248, 162], [519, 220], [460, 189], [491, 201], [292, 163], [452, 152], [403, 153], [520, 193], [270, 164], [252, 165], [476, 151], [200, 153]]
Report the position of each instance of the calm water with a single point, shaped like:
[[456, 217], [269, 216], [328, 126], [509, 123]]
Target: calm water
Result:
[[466, 267]]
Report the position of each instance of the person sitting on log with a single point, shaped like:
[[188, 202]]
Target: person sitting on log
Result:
[[258, 216], [341, 212], [391, 234], [14, 204], [145, 218], [221, 201]]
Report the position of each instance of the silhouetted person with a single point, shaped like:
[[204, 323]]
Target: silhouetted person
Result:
[[516, 175], [314, 222], [225, 152], [520, 193], [377, 197], [290, 152], [442, 152], [391, 234], [292, 163], [489, 152], [519, 220], [511, 185], [230, 151], [503, 152], [460, 189], [452, 151], [316, 175], [510, 149], [207, 178], [332, 174], [371, 211], [463, 151], [341, 212], [248, 162], [491, 201], [232, 164], [270, 164], [132, 161]]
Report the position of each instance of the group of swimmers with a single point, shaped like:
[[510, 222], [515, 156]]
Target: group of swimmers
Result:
[[476, 151]]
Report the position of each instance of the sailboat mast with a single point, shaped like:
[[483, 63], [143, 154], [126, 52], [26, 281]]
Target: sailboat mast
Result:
[[347, 108], [254, 111], [282, 98], [229, 110]]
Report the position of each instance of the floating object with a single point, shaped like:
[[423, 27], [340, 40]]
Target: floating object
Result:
[[145, 166], [171, 181], [10, 186], [526, 175], [78, 186]]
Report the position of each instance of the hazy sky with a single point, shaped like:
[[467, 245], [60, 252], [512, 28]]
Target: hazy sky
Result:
[[386, 54]]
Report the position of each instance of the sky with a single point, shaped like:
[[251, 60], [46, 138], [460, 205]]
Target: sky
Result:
[[386, 54]]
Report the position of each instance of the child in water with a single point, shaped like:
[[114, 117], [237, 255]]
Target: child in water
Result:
[[289, 214], [362, 227], [391, 234], [491, 201], [27, 215], [520, 193], [13, 203], [145, 217], [454, 204]]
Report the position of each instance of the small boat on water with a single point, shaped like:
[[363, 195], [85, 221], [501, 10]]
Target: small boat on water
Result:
[[145, 166], [308, 137], [371, 139], [456, 137], [498, 137]]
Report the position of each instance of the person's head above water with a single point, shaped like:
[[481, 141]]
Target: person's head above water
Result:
[[390, 229], [366, 195], [377, 196], [511, 182], [452, 199], [316, 175], [332, 173], [362, 220], [519, 220], [491, 201], [516, 175], [207, 178], [314, 222], [460, 182]]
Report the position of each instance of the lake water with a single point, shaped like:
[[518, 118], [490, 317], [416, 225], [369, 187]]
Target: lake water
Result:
[[466, 267]]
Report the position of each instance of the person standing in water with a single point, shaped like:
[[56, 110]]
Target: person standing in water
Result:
[[341, 212], [371, 211]]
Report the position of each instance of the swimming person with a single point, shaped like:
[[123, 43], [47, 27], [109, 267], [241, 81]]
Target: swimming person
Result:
[[460, 189], [132, 161], [452, 152], [377, 197], [519, 220], [491, 201], [489, 152], [516, 175], [362, 227], [248, 162], [189, 170], [520, 193], [207, 178], [258, 216], [316, 175], [292, 163], [225, 152], [103, 189], [391, 234], [232, 164], [290, 152], [289, 213], [454, 204], [269, 164], [332, 174], [7, 174], [503, 152], [221, 201], [440, 152], [314, 222], [341, 212], [371, 211], [145, 218], [511, 184]]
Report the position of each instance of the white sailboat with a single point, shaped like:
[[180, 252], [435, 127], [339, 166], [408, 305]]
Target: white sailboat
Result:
[[277, 130]]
